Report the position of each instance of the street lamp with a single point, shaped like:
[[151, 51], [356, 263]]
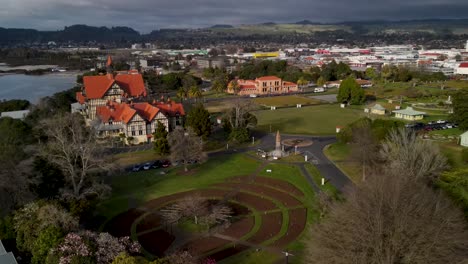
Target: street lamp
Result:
[[287, 254]]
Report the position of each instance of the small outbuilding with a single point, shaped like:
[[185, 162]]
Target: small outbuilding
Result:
[[377, 109], [21, 114], [464, 139], [409, 114]]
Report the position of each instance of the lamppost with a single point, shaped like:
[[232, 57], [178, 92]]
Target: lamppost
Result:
[[287, 254]]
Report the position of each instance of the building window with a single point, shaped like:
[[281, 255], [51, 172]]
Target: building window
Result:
[[140, 132], [110, 122], [133, 133]]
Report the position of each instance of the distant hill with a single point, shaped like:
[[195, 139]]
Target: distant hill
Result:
[[78, 33], [300, 31], [307, 22], [222, 26], [268, 24]]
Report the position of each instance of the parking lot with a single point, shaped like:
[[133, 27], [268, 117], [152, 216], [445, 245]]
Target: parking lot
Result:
[[433, 125]]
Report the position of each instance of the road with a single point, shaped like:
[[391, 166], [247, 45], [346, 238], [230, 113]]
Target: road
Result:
[[314, 153]]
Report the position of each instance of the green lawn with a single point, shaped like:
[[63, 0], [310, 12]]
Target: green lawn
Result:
[[327, 187], [455, 132], [130, 158], [339, 153], [146, 185], [287, 100], [315, 120]]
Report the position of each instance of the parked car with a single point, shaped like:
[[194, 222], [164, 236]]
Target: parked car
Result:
[[253, 95], [441, 121], [147, 166], [137, 168], [156, 164], [166, 163], [319, 90]]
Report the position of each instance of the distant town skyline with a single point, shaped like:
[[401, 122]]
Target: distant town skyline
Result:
[[147, 15]]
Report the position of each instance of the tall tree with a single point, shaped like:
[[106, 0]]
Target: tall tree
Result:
[[350, 92], [198, 118], [460, 109], [392, 218], [364, 146], [195, 92], [186, 147], [320, 82], [160, 142], [14, 163], [404, 152], [73, 148], [302, 82]]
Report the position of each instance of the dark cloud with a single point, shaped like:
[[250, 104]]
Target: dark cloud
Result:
[[145, 15]]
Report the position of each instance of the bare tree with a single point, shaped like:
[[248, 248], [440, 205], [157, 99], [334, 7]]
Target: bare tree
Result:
[[364, 146], [186, 146], [392, 218], [199, 209], [239, 116], [193, 206], [403, 151], [73, 148]]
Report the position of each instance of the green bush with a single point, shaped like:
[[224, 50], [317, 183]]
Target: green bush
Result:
[[464, 155]]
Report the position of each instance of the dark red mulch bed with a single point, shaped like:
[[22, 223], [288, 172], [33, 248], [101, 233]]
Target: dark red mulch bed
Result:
[[205, 244], [240, 228], [297, 224], [121, 224], [226, 253], [271, 225], [156, 242]]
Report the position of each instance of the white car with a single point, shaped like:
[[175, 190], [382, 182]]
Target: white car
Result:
[[441, 121], [253, 95], [147, 166]]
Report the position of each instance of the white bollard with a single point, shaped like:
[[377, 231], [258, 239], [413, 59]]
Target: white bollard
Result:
[[323, 181], [305, 157]]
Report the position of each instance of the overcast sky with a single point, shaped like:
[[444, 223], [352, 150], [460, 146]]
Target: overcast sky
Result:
[[145, 15]]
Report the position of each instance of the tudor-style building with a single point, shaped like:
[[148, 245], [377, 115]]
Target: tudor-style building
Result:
[[137, 120], [119, 87], [107, 102]]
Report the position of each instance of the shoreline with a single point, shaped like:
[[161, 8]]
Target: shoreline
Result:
[[67, 73]]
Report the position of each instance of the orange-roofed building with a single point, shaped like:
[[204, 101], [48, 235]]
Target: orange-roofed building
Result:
[[98, 90], [262, 85], [136, 120]]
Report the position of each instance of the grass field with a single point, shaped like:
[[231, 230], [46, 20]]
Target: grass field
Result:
[[339, 153], [288, 100], [146, 185], [130, 158], [139, 187], [315, 120]]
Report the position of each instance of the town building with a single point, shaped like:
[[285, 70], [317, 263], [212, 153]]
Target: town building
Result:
[[462, 68], [377, 109], [21, 114], [137, 121], [6, 257], [116, 87], [464, 139], [409, 114], [214, 62], [262, 86]]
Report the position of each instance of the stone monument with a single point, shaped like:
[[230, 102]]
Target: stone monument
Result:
[[278, 152]]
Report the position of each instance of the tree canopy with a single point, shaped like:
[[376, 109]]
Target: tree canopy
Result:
[[351, 92], [198, 118]]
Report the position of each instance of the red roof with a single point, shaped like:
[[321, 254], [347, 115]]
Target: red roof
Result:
[[171, 108], [125, 112], [132, 83], [109, 61], [97, 86], [463, 65], [80, 98], [289, 83], [431, 54], [248, 86], [267, 78], [116, 112], [146, 110]]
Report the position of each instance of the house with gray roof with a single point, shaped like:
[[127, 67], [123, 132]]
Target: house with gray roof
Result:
[[409, 114], [6, 257]]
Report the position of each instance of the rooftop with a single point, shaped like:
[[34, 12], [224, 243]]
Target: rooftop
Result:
[[409, 111]]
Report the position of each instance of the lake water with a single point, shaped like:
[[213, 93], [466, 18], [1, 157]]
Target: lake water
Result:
[[33, 87]]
